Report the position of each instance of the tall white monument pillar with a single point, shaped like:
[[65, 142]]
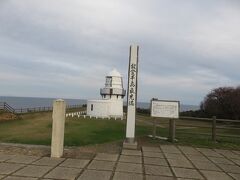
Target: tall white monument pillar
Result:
[[58, 125], [132, 97]]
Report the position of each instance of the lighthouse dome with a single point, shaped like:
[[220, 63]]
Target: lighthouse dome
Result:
[[114, 73]]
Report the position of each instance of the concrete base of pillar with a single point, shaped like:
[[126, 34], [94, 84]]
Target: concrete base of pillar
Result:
[[130, 144]]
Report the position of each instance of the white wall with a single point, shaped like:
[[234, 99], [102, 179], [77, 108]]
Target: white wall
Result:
[[105, 108]]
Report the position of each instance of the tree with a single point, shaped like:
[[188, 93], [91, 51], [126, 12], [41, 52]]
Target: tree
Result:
[[223, 102]]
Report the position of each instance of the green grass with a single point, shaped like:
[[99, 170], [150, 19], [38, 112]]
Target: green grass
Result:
[[36, 128], [197, 140]]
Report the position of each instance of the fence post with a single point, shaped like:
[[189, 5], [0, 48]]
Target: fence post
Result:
[[154, 128], [214, 133], [172, 130]]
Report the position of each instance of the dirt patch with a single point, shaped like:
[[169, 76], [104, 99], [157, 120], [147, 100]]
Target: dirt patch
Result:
[[5, 116], [69, 152], [73, 152]]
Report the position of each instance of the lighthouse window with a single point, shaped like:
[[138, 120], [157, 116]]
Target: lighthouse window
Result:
[[91, 107], [109, 81]]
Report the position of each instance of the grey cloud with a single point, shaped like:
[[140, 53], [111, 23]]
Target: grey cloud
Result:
[[186, 48]]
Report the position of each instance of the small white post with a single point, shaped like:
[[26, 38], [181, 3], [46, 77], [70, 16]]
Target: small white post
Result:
[[58, 125]]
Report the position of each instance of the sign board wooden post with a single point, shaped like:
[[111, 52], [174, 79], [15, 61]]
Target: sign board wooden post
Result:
[[166, 109], [132, 97]]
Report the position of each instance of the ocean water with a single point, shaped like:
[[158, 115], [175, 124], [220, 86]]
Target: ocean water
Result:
[[31, 102]]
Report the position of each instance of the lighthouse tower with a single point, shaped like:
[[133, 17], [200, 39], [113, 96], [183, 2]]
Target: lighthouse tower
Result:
[[111, 104]]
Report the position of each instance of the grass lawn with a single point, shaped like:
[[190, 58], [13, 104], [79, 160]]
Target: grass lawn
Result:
[[36, 128]]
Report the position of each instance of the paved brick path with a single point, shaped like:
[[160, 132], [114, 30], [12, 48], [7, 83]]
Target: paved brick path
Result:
[[166, 162]]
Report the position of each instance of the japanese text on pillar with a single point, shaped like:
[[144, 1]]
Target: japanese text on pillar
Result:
[[132, 85]]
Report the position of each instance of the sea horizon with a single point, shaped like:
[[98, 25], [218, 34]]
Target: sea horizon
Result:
[[18, 102]]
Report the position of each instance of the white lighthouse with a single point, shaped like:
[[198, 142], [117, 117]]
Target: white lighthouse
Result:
[[112, 94]]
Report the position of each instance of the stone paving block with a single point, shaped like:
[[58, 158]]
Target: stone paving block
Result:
[[220, 160], [151, 149], [19, 178], [63, 173], [131, 152], [106, 157], [180, 163], [5, 157], [236, 152], [125, 176], [228, 154], [23, 159], [153, 154], [236, 161], [189, 150], [174, 156], [212, 154], [235, 176], [230, 168], [47, 161], [131, 159], [170, 149], [158, 170], [75, 163], [209, 152], [101, 165], [150, 177], [155, 161], [187, 173], [8, 168], [206, 166], [95, 175], [213, 175], [33, 171], [198, 158], [129, 167], [233, 156]]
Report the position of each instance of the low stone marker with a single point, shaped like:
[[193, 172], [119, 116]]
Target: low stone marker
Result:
[[58, 125]]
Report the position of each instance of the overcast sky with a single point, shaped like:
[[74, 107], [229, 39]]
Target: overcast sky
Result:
[[62, 48]]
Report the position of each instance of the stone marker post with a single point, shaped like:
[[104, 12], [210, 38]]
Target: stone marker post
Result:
[[132, 98], [58, 125]]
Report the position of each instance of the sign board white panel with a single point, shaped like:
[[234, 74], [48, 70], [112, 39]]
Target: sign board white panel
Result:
[[165, 109]]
